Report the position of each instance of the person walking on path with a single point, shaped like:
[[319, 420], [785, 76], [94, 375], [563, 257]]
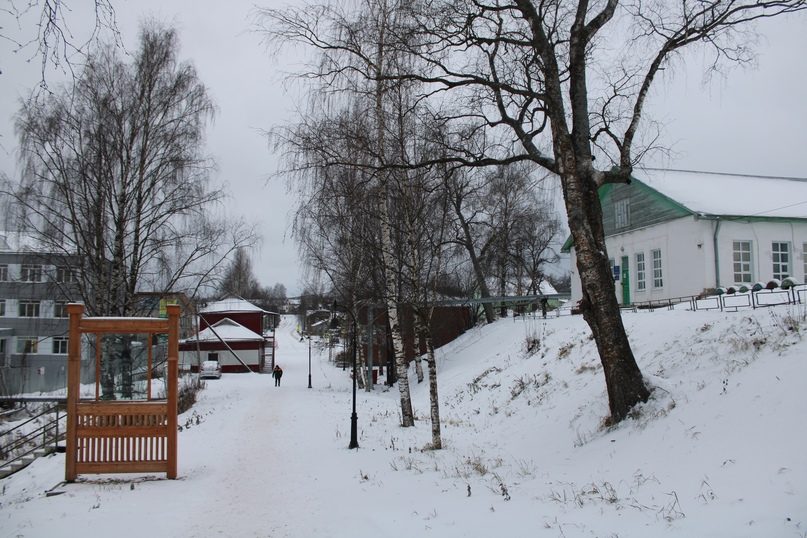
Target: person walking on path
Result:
[[277, 373]]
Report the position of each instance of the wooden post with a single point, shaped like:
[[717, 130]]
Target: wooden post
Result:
[[74, 311], [173, 388]]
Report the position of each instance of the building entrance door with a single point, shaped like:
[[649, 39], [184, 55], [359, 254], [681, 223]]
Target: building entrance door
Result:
[[625, 281]]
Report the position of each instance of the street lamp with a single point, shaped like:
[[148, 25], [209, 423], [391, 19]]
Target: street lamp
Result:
[[354, 419], [309, 360]]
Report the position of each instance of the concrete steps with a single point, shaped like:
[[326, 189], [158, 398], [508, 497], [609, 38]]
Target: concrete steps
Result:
[[25, 461]]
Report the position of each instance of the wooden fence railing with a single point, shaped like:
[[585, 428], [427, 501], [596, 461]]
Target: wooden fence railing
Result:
[[118, 437]]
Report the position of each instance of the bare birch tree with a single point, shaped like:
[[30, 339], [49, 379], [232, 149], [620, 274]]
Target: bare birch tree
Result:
[[461, 192], [356, 61], [114, 175], [378, 66], [45, 30], [239, 279], [520, 228]]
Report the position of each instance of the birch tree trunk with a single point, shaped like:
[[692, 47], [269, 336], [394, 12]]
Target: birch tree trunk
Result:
[[434, 407], [361, 358], [417, 331], [434, 399], [407, 415]]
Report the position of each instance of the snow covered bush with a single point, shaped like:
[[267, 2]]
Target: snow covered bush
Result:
[[189, 386], [789, 282]]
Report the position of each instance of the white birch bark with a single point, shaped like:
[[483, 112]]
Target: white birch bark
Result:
[[407, 415], [434, 407], [418, 363], [361, 357]]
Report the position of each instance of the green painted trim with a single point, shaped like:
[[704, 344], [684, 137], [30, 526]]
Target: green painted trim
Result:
[[567, 245], [606, 192], [741, 218]]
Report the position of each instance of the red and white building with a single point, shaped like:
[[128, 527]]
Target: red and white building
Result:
[[234, 332]]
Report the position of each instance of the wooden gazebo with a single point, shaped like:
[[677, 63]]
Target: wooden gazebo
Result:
[[128, 435]]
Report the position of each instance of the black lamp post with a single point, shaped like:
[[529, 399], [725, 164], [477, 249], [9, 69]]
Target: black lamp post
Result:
[[354, 419], [309, 360]]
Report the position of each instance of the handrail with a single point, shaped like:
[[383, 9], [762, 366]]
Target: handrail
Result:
[[4, 400], [49, 433]]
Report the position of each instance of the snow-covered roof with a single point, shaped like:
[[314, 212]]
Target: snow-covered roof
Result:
[[20, 242], [232, 304], [228, 330], [547, 289], [544, 288], [711, 193]]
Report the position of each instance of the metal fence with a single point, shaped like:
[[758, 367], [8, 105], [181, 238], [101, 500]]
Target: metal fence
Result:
[[731, 302], [32, 379]]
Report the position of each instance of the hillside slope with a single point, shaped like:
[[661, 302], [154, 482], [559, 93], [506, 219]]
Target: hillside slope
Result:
[[716, 452]]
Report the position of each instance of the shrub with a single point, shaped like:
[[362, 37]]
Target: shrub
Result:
[[189, 386], [342, 359], [532, 339], [789, 282]]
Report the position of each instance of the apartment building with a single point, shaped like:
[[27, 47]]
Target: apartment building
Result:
[[35, 288]]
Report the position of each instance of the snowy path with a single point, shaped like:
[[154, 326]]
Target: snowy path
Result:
[[280, 465], [264, 446]]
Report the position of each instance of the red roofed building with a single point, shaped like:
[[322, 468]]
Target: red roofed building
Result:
[[234, 332]]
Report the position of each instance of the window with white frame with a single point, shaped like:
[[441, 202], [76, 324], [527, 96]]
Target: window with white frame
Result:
[[742, 262], [658, 280], [4, 273], [65, 275], [27, 344], [780, 252], [60, 309], [804, 256], [622, 213], [60, 345], [31, 273], [641, 272], [29, 309]]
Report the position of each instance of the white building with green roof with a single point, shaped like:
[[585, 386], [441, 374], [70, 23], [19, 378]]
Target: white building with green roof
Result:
[[672, 233]]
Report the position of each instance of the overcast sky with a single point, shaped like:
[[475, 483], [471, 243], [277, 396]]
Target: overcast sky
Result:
[[751, 122]]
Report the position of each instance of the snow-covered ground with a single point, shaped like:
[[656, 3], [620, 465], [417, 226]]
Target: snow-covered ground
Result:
[[719, 451]]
